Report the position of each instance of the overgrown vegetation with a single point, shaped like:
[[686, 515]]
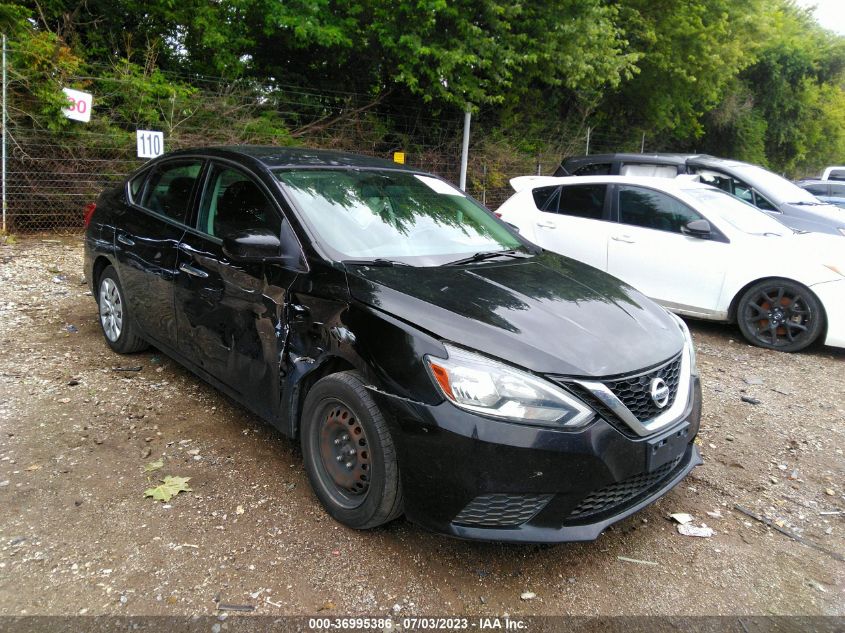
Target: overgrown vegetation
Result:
[[756, 80]]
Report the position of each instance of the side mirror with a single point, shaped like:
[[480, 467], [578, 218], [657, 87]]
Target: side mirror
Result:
[[697, 228], [252, 245]]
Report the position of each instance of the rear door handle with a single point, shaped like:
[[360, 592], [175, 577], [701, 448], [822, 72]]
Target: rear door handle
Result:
[[546, 224], [194, 272], [623, 238], [125, 240]]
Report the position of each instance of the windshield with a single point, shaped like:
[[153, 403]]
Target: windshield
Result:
[[773, 186], [740, 215], [392, 215]]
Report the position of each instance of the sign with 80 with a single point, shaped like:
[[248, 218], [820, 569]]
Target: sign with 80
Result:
[[79, 105]]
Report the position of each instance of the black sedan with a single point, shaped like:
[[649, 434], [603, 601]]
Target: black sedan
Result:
[[430, 360]]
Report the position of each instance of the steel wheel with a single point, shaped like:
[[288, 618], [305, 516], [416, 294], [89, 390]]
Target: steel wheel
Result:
[[111, 309], [345, 454], [349, 453], [781, 315]]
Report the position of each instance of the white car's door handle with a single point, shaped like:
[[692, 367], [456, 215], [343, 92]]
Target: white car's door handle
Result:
[[546, 224], [623, 238]]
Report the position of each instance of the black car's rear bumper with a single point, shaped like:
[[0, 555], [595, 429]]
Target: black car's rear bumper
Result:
[[477, 478]]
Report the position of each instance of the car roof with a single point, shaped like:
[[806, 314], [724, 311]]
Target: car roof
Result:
[[673, 185], [630, 157], [274, 157]]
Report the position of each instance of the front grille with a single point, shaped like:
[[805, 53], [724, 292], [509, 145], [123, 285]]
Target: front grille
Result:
[[501, 510], [621, 493], [635, 391]]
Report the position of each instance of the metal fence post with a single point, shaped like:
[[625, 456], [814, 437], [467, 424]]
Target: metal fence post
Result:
[[589, 129], [4, 134], [465, 151]]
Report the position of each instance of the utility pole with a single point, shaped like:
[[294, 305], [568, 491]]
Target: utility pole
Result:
[[589, 130], [465, 150], [642, 146]]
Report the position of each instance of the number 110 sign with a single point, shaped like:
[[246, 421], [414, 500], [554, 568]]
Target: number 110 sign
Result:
[[150, 144]]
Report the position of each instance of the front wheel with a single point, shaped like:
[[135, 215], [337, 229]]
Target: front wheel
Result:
[[780, 314], [349, 454]]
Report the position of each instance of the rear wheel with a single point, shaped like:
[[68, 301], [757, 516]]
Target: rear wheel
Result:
[[780, 314], [118, 329], [349, 453]]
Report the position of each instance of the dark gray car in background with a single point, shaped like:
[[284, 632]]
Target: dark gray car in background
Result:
[[777, 196]]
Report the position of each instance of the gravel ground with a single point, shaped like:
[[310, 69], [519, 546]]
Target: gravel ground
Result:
[[78, 535]]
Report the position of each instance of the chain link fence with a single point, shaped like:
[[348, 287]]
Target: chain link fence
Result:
[[53, 174]]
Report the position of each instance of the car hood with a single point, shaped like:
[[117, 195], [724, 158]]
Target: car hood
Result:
[[549, 314]]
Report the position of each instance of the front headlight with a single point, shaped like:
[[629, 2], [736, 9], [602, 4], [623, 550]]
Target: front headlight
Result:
[[689, 345], [482, 385]]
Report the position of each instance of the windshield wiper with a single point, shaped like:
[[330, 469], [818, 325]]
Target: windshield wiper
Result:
[[378, 261], [478, 257]]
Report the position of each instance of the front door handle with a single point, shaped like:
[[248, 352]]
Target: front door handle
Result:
[[623, 238], [546, 224], [125, 240], [194, 272]]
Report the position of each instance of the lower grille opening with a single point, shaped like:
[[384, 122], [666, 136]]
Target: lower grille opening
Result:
[[622, 493], [501, 510]]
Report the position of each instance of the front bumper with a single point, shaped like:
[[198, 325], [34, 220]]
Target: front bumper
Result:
[[478, 478], [832, 296]]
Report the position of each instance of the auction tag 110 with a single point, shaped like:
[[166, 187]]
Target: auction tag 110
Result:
[[79, 105], [150, 143]]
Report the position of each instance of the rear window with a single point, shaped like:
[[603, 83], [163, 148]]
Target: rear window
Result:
[[837, 174]]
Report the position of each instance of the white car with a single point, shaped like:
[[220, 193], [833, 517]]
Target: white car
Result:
[[697, 250]]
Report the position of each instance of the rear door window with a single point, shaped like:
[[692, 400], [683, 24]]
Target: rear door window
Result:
[[582, 201], [837, 190], [169, 188], [652, 209]]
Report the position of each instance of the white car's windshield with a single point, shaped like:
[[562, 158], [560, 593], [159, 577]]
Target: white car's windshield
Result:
[[739, 214], [773, 186], [392, 215]]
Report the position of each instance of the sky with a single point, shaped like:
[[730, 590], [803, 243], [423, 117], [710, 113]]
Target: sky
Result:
[[829, 13]]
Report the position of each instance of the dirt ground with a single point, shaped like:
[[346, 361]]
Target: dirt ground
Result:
[[77, 534]]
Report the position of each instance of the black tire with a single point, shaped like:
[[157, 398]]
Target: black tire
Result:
[[367, 493], [115, 320], [780, 314]]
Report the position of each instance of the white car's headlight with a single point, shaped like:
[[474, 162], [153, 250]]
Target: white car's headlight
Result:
[[689, 343], [483, 385]]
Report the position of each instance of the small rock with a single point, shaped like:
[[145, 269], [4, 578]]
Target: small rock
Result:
[[483, 600], [830, 492], [123, 599], [729, 438], [753, 380], [751, 400], [146, 452], [528, 595], [195, 451]]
